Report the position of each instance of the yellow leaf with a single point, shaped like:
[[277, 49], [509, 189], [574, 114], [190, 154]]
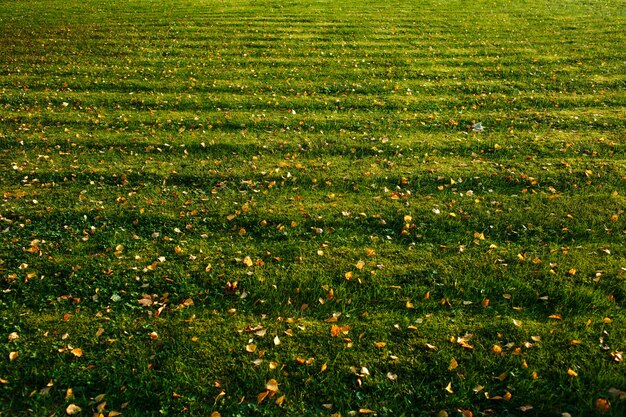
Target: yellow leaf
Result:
[[273, 365], [410, 305], [348, 275], [114, 414], [572, 373], [324, 367], [78, 352], [13, 356], [280, 400], [271, 385], [247, 261], [73, 409], [4, 381], [276, 340], [453, 364], [449, 388], [380, 344], [517, 323], [359, 265], [366, 411], [251, 348], [555, 317], [216, 414]]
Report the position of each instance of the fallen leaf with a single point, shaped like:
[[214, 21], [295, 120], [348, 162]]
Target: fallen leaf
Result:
[[380, 344], [366, 411], [392, 376], [78, 352], [453, 364], [13, 356], [359, 265], [73, 409], [449, 388], [276, 340], [4, 381], [216, 414], [247, 261], [555, 317], [114, 414], [525, 408], [271, 385], [251, 348], [572, 372], [517, 323], [603, 405], [280, 400], [262, 396], [616, 393]]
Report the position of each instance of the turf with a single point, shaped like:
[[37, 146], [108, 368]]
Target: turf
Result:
[[312, 208]]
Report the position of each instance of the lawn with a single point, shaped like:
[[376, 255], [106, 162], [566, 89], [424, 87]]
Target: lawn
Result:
[[312, 208]]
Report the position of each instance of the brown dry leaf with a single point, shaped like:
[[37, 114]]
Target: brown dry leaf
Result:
[[380, 344], [525, 408], [602, 405], [13, 356], [572, 372], [99, 332], [616, 393], [359, 265], [271, 385], [453, 364], [485, 303], [262, 396], [466, 413], [73, 409]]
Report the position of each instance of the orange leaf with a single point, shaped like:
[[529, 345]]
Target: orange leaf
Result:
[[602, 405], [216, 414], [78, 352], [555, 317], [262, 396], [380, 344], [280, 400]]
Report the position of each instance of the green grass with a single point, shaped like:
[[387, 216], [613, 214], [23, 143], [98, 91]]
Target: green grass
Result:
[[332, 144]]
